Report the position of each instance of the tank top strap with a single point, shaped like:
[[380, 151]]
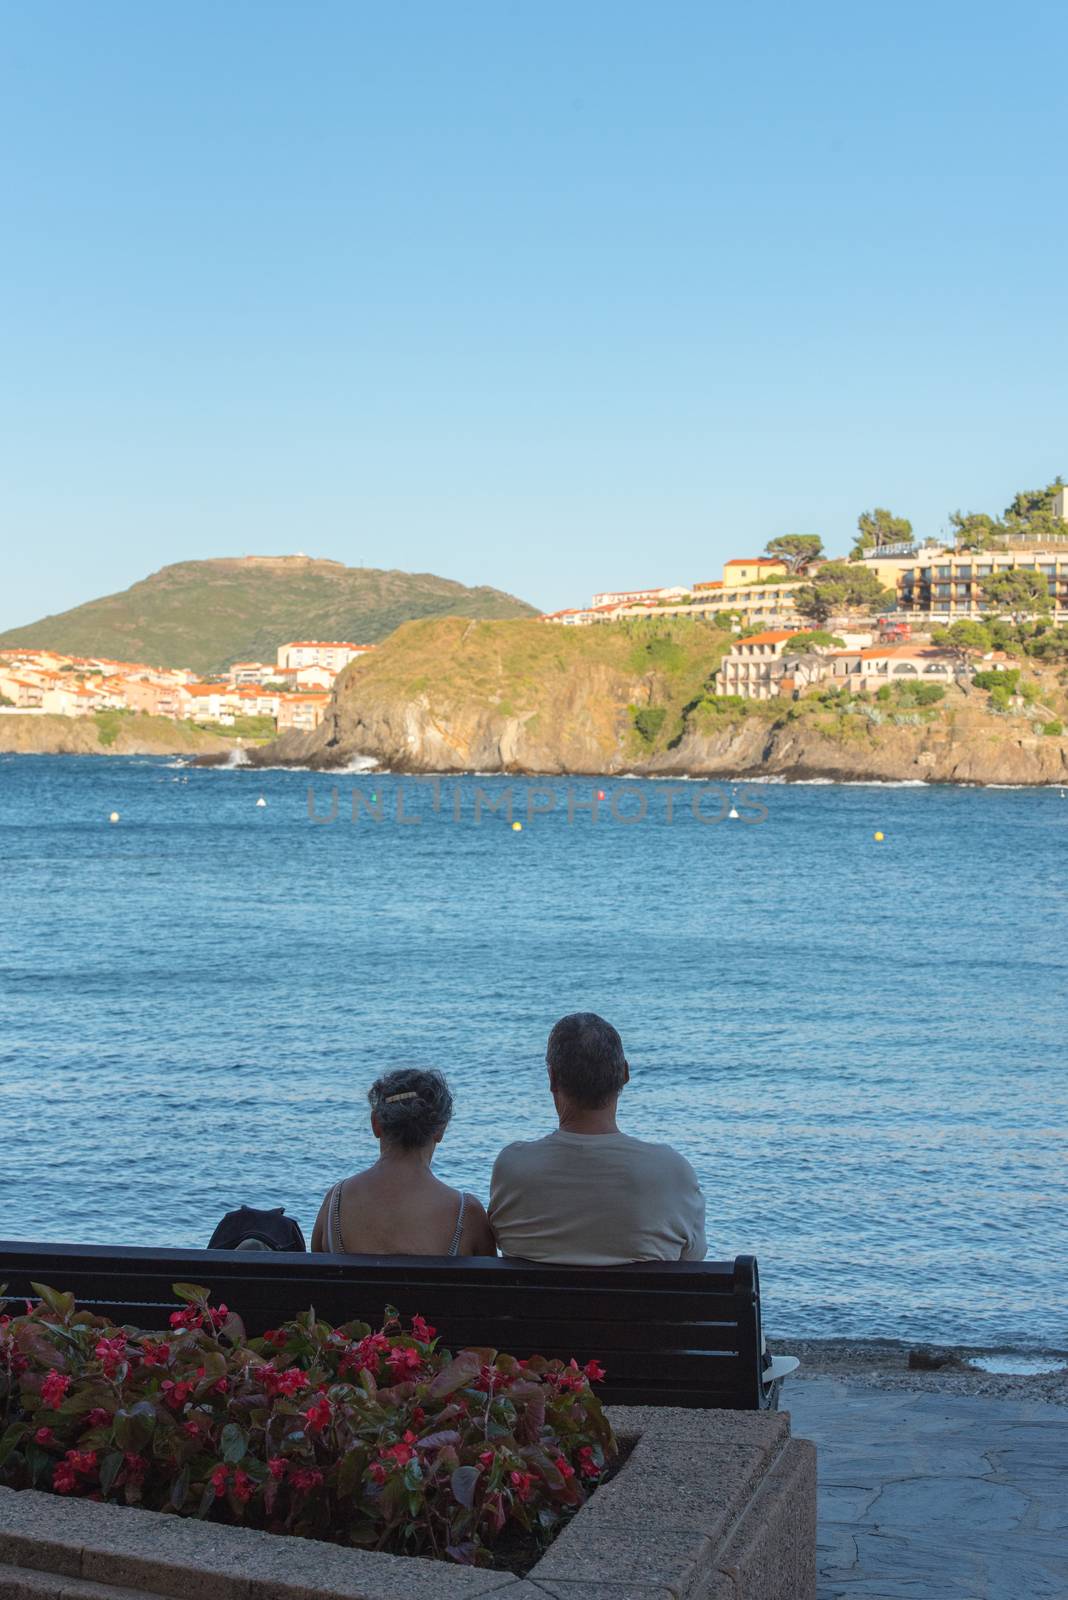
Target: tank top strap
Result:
[[457, 1232]]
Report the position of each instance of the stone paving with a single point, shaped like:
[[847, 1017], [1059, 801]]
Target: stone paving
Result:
[[935, 1496]]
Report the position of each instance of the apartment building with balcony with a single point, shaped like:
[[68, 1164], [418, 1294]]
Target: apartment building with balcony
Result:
[[746, 669], [948, 584]]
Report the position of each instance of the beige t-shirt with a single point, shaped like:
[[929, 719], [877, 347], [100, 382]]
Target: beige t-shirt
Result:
[[596, 1199]]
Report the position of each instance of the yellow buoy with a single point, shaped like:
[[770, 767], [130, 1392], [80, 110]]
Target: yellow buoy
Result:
[[114, 817], [878, 837], [517, 827]]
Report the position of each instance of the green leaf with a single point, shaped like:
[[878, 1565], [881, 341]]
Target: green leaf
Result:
[[460, 1371], [134, 1427], [109, 1470], [180, 1488], [12, 1438], [61, 1304], [234, 1442], [192, 1293], [463, 1483]]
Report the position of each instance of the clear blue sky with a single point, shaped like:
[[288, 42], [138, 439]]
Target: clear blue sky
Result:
[[550, 296]]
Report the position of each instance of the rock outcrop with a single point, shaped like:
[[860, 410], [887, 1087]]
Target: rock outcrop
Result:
[[524, 698]]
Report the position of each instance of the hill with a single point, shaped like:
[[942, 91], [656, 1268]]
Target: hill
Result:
[[206, 614], [445, 696]]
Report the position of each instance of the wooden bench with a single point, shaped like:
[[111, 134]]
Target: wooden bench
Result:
[[669, 1333]]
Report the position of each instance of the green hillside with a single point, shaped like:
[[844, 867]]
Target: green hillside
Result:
[[206, 614]]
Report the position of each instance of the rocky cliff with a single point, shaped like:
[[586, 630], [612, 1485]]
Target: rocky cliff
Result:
[[525, 697]]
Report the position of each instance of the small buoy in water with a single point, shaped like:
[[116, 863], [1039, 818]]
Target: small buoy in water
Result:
[[114, 817], [878, 837], [517, 827], [600, 794], [733, 812], [261, 801]]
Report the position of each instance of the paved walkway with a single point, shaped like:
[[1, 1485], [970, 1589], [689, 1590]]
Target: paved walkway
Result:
[[935, 1496]]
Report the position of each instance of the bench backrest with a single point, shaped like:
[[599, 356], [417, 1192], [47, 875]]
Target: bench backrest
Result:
[[681, 1333]]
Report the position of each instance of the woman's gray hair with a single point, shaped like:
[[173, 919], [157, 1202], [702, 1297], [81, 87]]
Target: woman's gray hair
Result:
[[585, 1056], [412, 1106]]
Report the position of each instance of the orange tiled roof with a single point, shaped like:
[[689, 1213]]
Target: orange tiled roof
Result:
[[772, 636]]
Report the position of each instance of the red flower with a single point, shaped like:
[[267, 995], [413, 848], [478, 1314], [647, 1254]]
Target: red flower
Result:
[[220, 1478], [276, 1337], [318, 1416], [111, 1352], [244, 1487], [378, 1472], [486, 1459], [587, 1465], [403, 1362], [305, 1478], [594, 1371], [174, 1394], [44, 1436], [98, 1417], [522, 1484], [422, 1330], [83, 1461], [289, 1382], [188, 1317], [402, 1452], [63, 1479], [191, 1429], [155, 1353], [571, 1380], [564, 1468], [218, 1315], [277, 1466], [54, 1388]]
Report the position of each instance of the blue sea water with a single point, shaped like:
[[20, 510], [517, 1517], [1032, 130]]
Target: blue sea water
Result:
[[861, 1047]]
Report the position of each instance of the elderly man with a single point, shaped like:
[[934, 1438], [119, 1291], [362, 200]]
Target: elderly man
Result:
[[587, 1194]]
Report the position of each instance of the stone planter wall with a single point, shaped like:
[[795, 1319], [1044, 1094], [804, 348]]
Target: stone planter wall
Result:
[[710, 1505]]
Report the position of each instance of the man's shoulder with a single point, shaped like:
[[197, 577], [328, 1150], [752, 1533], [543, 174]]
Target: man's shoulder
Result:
[[521, 1150], [664, 1155]]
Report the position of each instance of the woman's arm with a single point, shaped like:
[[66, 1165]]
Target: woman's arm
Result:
[[478, 1237], [318, 1238]]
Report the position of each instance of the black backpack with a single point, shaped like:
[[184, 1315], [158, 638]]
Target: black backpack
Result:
[[249, 1229]]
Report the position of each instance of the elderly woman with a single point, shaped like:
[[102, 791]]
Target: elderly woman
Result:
[[397, 1207]]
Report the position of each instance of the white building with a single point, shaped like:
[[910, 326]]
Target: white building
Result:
[[332, 654]]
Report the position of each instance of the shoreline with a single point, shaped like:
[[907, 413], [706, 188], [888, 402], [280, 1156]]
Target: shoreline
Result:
[[884, 1364]]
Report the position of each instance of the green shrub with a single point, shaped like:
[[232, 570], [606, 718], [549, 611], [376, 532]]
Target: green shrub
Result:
[[1008, 679], [1054, 728], [648, 721]]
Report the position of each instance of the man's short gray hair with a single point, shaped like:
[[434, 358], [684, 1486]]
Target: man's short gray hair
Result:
[[585, 1056]]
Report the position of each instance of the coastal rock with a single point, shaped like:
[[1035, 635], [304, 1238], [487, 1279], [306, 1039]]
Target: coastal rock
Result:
[[454, 696]]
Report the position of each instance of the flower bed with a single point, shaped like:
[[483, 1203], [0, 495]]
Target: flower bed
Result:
[[374, 1439]]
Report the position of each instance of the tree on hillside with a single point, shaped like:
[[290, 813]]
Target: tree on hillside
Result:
[[1030, 512], [879, 527], [1030, 504], [842, 586], [974, 530], [1019, 592], [797, 551], [964, 635]]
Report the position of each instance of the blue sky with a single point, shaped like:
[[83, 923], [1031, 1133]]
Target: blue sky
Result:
[[550, 296]]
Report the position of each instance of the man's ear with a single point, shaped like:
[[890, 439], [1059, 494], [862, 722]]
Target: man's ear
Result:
[[626, 1072], [552, 1078], [376, 1126]]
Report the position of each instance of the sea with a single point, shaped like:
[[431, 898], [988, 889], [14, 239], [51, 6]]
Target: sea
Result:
[[860, 1042]]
